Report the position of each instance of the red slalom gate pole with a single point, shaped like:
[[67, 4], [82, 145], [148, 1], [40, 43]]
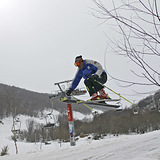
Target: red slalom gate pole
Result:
[[71, 125]]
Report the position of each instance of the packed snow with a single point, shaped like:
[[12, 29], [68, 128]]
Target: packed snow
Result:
[[122, 147]]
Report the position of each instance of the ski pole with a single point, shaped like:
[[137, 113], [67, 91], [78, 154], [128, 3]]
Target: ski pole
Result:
[[89, 107], [85, 105], [115, 92]]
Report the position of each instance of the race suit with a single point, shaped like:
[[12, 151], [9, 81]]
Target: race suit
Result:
[[89, 68]]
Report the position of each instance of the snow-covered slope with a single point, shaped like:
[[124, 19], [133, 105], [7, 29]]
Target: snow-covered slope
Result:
[[124, 147], [132, 147]]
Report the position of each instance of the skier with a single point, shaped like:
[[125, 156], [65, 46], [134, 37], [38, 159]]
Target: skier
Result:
[[91, 71]]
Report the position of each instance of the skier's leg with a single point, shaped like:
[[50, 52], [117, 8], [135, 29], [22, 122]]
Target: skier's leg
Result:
[[102, 79], [89, 86], [99, 88], [91, 90]]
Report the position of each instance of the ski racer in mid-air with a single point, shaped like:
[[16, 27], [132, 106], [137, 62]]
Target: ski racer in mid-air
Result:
[[91, 71]]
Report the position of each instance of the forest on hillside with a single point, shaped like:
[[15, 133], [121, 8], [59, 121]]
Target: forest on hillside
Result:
[[110, 122], [14, 100]]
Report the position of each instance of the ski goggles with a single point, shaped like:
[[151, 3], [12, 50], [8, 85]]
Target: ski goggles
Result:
[[78, 62]]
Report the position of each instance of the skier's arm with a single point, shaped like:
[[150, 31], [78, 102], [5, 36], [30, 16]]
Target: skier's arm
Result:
[[76, 80], [97, 65], [99, 68]]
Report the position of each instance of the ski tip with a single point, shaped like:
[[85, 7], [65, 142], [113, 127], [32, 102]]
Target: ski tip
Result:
[[63, 99]]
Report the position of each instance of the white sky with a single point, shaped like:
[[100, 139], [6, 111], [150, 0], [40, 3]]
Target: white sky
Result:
[[39, 40]]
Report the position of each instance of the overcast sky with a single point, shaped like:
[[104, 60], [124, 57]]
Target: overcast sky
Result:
[[39, 40]]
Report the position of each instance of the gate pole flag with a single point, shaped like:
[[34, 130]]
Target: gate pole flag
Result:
[[71, 125]]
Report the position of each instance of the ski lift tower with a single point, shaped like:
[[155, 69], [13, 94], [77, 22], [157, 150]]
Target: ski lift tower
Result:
[[69, 109]]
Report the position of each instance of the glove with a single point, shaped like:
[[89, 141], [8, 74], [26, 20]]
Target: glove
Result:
[[93, 77], [68, 92]]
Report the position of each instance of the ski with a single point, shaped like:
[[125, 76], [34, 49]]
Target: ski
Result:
[[64, 99], [105, 100]]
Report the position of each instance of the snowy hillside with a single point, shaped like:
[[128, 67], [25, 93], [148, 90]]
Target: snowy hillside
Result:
[[124, 147]]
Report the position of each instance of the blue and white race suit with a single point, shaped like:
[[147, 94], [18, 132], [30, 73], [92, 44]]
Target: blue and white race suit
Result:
[[89, 68]]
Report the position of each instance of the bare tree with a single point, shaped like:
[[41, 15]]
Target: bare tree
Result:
[[137, 23], [11, 102]]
